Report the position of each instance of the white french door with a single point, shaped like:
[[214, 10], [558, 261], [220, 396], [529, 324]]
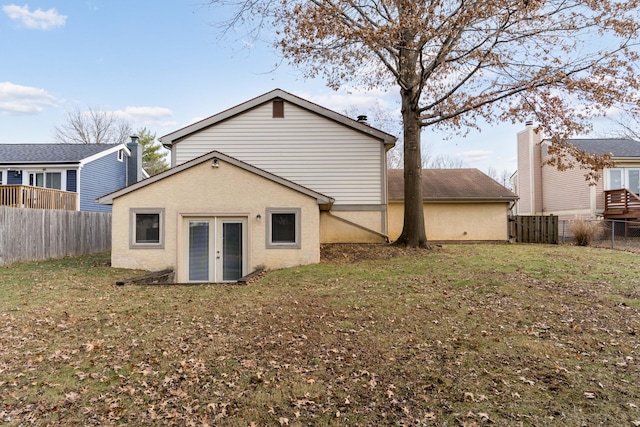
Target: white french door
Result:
[[215, 248]]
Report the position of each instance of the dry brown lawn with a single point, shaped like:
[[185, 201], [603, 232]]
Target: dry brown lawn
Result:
[[471, 335]]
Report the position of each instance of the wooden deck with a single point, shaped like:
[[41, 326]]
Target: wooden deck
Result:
[[621, 204], [24, 196]]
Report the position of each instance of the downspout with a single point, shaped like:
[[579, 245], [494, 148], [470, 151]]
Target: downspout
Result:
[[592, 198]]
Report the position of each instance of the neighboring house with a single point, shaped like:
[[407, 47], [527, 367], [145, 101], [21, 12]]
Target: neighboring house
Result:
[[543, 190], [66, 176], [458, 204], [261, 184]]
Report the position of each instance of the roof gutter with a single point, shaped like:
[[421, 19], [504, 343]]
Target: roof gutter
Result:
[[461, 199]]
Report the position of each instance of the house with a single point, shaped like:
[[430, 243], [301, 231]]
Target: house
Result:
[[261, 184], [458, 205], [544, 190], [66, 176]]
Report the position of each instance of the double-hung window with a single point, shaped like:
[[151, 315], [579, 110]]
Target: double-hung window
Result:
[[283, 228], [146, 229]]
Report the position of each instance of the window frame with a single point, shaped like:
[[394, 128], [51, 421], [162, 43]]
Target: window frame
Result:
[[608, 184], [46, 175], [625, 177], [296, 244], [48, 178], [133, 212]]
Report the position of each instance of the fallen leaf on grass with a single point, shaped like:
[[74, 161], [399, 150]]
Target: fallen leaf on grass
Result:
[[71, 397], [283, 421]]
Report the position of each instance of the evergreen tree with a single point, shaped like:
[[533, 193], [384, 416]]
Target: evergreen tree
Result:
[[154, 158]]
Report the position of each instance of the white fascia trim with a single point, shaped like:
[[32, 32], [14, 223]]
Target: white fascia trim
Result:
[[168, 140], [39, 165], [105, 153]]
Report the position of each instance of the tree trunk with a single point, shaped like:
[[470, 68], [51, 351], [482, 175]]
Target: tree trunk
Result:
[[413, 230]]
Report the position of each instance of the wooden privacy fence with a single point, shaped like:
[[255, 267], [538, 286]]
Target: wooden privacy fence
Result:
[[38, 234], [534, 229]]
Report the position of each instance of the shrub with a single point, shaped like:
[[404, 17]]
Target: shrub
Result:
[[585, 231]]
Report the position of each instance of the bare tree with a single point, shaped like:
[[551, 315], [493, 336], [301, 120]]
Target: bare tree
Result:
[[626, 127], [93, 126], [503, 178], [443, 162], [560, 62]]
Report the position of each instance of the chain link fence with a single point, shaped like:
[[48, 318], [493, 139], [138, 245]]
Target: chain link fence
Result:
[[613, 234]]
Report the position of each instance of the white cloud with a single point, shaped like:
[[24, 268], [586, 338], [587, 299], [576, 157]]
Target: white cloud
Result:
[[37, 20], [23, 99], [152, 116], [145, 113], [474, 156]]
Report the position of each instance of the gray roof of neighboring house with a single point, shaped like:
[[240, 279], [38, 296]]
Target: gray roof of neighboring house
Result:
[[451, 185], [49, 153], [617, 147]]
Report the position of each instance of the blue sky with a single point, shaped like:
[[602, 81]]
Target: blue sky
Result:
[[160, 65]]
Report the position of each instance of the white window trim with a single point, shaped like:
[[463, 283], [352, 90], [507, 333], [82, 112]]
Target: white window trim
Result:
[[45, 171], [624, 174], [132, 228], [294, 245], [120, 155]]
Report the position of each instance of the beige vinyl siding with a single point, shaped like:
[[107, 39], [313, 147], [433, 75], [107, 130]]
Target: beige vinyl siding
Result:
[[564, 190], [303, 147]]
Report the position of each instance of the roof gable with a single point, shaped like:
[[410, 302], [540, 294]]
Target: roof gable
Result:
[[451, 185], [52, 153], [173, 138], [322, 200]]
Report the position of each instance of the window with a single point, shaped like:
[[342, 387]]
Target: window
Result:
[[54, 180], [283, 228], [120, 155], [46, 180], [615, 179], [146, 228], [633, 180], [278, 109], [628, 178]]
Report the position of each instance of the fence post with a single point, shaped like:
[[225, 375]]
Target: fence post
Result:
[[613, 233]]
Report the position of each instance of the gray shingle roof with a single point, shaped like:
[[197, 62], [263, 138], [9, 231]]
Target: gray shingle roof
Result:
[[452, 185], [617, 147], [49, 153]]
